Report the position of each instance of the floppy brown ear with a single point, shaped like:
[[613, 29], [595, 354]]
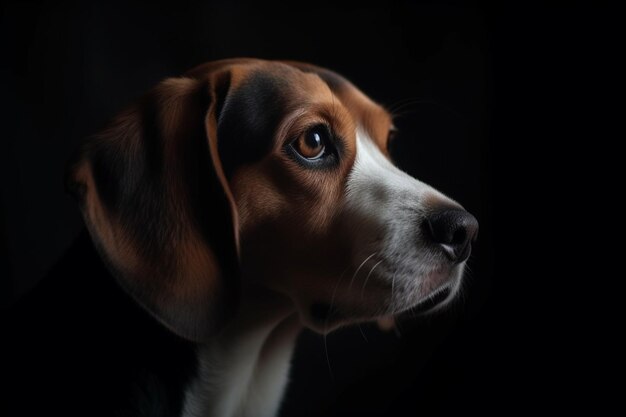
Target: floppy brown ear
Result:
[[158, 208]]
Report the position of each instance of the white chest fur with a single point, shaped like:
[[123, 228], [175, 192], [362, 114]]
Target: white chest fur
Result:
[[244, 372]]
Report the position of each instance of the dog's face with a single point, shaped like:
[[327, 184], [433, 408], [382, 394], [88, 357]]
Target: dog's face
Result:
[[325, 217], [318, 211]]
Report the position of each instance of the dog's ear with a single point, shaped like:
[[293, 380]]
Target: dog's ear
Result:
[[157, 205]]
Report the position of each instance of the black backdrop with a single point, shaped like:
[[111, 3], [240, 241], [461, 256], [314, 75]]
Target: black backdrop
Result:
[[517, 111]]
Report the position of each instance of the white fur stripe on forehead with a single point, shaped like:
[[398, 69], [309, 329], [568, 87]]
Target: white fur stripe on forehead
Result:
[[369, 156], [376, 180], [372, 167]]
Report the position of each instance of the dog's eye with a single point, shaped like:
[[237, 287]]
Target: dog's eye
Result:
[[315, 148], [312, 144]]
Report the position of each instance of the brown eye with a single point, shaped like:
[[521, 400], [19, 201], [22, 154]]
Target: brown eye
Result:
[[312, 143]]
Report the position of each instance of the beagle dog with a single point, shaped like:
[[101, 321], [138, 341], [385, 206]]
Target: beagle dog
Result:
[[249, 198]]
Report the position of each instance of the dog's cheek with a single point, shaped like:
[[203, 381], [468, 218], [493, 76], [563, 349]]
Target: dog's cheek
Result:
[[290, 240]]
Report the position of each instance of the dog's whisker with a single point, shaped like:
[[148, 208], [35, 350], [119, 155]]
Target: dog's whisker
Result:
[[396, 328], [362, 333], [359, 268], [395, 106], [405, 105], [408, 107], [330, 369], [368, 277], [396, 331], [393, 298], [330, 310], [393, 305]]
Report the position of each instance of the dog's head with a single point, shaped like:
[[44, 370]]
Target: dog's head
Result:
[[272, 174]]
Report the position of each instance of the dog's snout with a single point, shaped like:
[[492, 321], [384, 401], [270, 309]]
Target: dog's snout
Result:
[[453, 230]]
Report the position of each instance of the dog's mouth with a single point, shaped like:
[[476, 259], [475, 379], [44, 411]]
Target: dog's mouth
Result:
[[327, 316], [434, 294], [432, 302]]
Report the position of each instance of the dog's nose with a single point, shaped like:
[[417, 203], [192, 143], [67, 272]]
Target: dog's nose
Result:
[[454, 230]]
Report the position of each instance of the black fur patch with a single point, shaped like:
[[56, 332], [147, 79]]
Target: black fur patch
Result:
[[248, 121], [79, 345]]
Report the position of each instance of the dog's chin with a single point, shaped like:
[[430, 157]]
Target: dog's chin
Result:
[[439, 295], [435, 301], [434, 295]]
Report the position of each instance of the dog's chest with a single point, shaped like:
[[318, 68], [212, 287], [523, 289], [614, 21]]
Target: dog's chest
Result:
[[242, 376]]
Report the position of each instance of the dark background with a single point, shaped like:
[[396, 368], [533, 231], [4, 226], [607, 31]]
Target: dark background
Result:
[[517, 111]]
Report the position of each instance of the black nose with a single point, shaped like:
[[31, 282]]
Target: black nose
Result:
[[454, 230]]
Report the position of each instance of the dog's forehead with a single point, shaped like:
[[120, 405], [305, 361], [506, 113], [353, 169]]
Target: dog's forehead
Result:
[[286, 84], [369, 115], [261, 94], [291, 80]]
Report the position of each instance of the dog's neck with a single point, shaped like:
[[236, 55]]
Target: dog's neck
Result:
[[244, 370]]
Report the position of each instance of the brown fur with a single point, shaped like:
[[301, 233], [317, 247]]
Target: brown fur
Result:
[[281, 219]]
